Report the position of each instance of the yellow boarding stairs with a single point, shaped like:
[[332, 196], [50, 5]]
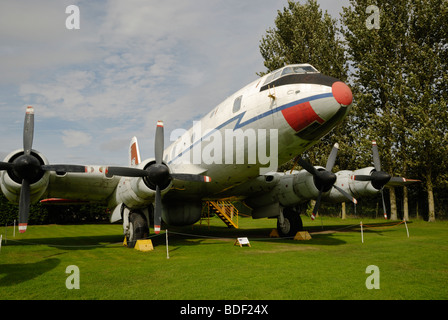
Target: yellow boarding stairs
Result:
[[225, 210]]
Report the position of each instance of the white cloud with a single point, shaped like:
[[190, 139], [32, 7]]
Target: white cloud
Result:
[[73, 138]]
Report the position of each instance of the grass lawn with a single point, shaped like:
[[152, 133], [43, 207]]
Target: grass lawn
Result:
[[204, 263]]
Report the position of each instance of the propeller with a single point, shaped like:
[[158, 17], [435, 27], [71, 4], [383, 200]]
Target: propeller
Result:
[[28, 169], [324, 179], [378, 178], [157, 175]]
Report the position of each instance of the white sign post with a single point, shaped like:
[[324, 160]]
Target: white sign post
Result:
[[242, 241], [362, 234], [407, 231], [167, 252]]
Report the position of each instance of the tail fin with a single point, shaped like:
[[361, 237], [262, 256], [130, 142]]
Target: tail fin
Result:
[[134, 153]]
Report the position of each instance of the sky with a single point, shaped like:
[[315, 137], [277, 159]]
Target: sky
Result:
[[129, 64]]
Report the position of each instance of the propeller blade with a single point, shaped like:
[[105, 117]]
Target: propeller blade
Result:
[[158, 211], [376, 156], [307, 166], [126, 172], [159, 144], [24, 205], [363, 178], [28, 130], [349, 197], [6, 166], [64, 168], [332, 158], [317, 205], [384, 204], [191, 177]]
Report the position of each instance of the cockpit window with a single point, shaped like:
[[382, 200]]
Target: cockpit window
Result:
[[292, 69], [304, 69], [287, 70]]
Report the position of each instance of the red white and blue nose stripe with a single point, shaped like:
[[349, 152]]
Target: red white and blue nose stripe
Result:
[[301, 114]]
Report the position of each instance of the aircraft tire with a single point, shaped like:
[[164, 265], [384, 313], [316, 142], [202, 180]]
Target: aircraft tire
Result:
[[138, 228], [293, 223]]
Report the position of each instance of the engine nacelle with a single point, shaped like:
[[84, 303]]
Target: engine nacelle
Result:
[[362, 188], [11, 184], [137, 193], [304, 189], [343, 181], [357, 189], [182, 214], [289, 190]]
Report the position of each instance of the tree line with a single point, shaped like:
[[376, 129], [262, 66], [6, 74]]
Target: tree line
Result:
[[395, 60], [58, 214]]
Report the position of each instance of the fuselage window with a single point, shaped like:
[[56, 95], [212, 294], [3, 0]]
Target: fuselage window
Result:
[[237, 104]]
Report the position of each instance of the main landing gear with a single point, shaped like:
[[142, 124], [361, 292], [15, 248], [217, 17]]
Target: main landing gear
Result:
[[289, 222], [137, 227]]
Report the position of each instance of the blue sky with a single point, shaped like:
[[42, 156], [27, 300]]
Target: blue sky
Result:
[[130, 64]]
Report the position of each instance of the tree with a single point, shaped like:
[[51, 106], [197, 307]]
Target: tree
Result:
[[399, 74], [428, 101], [303, 34]]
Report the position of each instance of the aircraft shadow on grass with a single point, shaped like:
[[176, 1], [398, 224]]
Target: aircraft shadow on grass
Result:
[[205, 235], [70, 243], [15, 273]]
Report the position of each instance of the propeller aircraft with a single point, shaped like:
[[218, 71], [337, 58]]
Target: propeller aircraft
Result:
[[292, 108]]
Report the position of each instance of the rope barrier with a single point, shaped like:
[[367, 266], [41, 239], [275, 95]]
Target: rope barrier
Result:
[[383, 226], [389, 225]]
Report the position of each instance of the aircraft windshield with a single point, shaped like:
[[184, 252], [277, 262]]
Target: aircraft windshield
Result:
[[292, 69]]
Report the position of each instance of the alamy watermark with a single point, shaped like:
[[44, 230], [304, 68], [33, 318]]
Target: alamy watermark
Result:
[[373, 20], [73, 21], [72, 281], [228, 146], [373, 281]]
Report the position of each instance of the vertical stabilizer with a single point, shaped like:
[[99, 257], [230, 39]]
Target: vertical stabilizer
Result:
[[134, 153]]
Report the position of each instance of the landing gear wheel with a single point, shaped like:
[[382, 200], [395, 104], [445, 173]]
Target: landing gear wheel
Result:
[[291, 225], [138, 228]]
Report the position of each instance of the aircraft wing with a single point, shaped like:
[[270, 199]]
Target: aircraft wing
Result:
[[401, 182]]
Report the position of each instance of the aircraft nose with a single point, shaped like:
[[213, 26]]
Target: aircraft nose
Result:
[[342, 93]]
